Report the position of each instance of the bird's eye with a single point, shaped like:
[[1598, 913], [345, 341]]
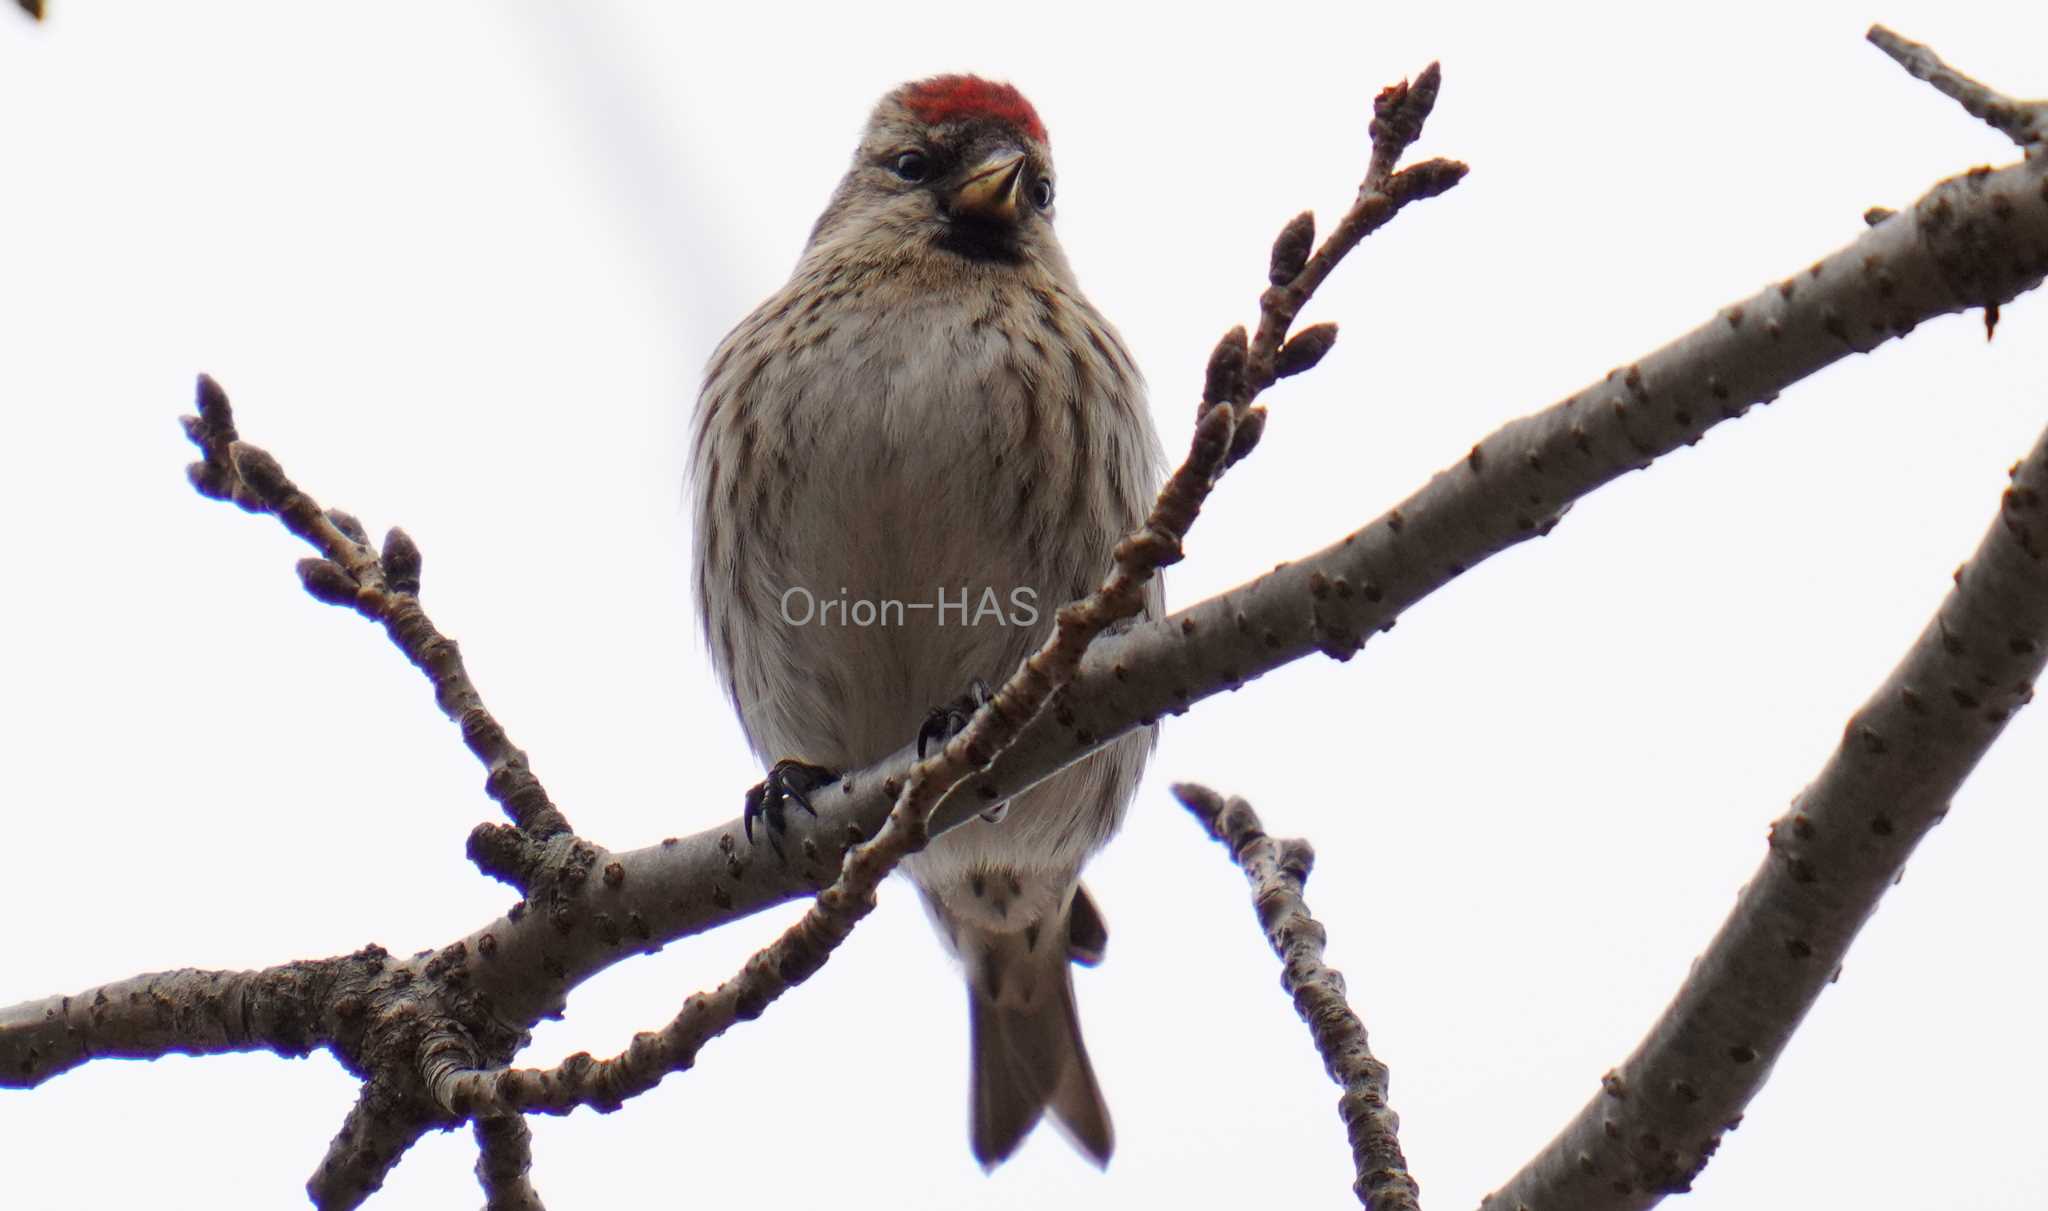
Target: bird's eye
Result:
[[1041, 193], [912, 165]]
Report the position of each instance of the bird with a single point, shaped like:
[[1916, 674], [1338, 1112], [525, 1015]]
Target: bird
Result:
[[902, 463]]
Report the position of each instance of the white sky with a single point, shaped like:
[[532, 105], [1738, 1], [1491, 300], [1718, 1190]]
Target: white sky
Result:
[[459, 269]]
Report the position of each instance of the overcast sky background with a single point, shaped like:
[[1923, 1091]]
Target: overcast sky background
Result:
[[459, 266]]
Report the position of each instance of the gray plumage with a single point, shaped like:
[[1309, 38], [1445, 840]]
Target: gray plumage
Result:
[[930, 407]]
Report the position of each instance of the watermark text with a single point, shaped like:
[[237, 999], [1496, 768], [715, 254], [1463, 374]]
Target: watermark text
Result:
[[961, 607]]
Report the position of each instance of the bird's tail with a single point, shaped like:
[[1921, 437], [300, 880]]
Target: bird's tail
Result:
[[1026, 1039]]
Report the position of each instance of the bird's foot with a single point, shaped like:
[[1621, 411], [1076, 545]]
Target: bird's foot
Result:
[[948, 721], [789, 781]]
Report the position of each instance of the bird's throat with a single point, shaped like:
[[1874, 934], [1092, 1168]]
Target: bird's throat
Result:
[[980, 240]]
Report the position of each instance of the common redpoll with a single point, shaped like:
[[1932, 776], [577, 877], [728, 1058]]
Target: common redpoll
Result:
[[903, 463]]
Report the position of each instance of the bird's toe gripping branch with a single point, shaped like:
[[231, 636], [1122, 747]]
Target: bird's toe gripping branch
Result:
[[789, 781]]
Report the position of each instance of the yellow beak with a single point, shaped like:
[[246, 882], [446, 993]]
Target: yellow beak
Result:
[[990, 191]]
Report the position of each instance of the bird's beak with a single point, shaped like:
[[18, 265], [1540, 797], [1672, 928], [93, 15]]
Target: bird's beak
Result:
[[990, 191]]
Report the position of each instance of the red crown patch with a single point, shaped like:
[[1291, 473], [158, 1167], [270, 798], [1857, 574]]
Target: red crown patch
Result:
[[953, 98]]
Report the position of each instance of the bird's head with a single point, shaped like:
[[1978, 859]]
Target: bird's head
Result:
[[949, 167]]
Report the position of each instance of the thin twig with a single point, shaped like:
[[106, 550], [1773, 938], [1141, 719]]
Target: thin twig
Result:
[[384, 588], [1398, 116], [2024, 122], [1277, 870]]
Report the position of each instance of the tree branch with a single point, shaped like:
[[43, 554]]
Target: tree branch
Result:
[[463, 1086], [1277, 870], [378, 1131], [188, 1012], [1661, 1114], [384, 588], [504, 1156], [1972, 241], [430, 1041], [1398, 115], [572, 926], [2024, 122]]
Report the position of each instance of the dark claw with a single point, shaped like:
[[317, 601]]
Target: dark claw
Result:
[[948, 721], [790, 781], [944, 723]]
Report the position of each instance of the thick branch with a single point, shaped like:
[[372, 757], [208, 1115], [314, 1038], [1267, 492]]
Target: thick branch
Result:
[[379, 1130], [1277, 871], [1660, 1116], [504, 1156], [188, 1012]]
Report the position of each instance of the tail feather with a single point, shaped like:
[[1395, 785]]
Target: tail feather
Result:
[[1005, 1103], [1087, 936], [1028, 1060], [1076, 1102]]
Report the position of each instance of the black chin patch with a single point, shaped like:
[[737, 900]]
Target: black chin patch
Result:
[[980, 240]]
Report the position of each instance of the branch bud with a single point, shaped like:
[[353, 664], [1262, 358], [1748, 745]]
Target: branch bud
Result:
[[259, 470], [1427, 179], [401, 561], [328, 582], [349, 526], [1250, 427], [1213, 430], [1304, 349], [1225, 381], [503, 852], [212, 404], [1291, 249], [208, 481], [1400, 110]]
